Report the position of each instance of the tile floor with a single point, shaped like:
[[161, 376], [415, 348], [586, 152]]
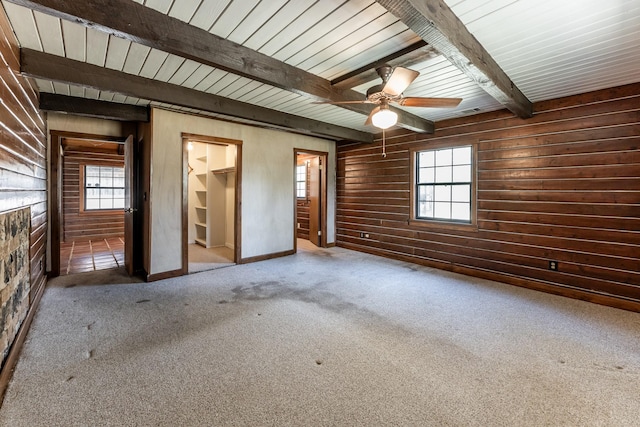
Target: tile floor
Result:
[[80, 256]]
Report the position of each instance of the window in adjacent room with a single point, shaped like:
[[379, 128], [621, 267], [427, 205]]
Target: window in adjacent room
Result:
[[443, 185], [103, 187], [301, 181]]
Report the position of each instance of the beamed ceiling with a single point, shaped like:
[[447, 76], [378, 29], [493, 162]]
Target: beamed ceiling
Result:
[[267, 61]]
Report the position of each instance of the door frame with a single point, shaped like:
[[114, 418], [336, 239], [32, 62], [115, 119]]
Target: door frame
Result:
[[237, 214], [55, 188], [324, 158]]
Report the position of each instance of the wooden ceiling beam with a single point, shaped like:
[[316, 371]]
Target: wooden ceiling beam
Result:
[[410, 55], [56, 68], [436, 23], [93, 108], [140, 24]]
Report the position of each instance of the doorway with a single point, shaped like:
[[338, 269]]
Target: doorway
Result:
[[310, 197], [211, 221], [91, 186]]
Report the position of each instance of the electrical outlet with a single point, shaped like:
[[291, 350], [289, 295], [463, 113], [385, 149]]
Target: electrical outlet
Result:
[[553, 265], [298, 225], [362, 235]]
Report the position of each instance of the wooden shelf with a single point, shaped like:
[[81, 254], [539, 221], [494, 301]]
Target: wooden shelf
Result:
[[201, 242], [202, 158], [223, 170], [204, 208], [200, 224]]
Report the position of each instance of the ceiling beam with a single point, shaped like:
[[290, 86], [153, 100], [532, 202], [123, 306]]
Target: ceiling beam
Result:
[[140, 24], [56, 68], [93, 108], [410, 55], [436, 23]]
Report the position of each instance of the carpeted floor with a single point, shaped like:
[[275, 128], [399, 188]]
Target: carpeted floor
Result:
[[324, 337], [202, 259]]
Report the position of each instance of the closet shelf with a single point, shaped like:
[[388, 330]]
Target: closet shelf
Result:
[[204, 208], [223, 170], [200, 224]]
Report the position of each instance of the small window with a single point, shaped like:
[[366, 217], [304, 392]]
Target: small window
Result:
[[444, 184], [103, 188], [301, 181]]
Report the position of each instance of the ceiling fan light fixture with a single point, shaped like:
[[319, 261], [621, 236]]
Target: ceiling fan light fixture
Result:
[[385, 118]]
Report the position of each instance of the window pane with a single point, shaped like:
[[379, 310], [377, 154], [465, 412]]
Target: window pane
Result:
[[443, 193], [449, 171], [102, 190], [461, 211], [425, 210], [426, 158], [442, 210], [443, 174], [461, 156], [443, 157], [462, 173], [461, 193], [426, 175], [425, 193], [92, 204]]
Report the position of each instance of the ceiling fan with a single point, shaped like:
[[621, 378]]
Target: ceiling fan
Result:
[[394, 82]]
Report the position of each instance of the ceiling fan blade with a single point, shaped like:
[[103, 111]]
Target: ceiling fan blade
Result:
[[430, 102], [400, 79], [341, 102], [369, 120]]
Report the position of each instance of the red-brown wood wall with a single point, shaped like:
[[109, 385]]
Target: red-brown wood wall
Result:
[[93, 225], [23, 170], [562, 186]]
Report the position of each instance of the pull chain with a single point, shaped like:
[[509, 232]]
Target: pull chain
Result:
[[384, 153]]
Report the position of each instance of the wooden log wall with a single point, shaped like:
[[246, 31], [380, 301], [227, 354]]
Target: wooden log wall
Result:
[[79, 225], [562, 186], [23, 170]]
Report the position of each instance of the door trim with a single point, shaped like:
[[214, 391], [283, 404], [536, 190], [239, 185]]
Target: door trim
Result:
[[237, 231], [324, 157]]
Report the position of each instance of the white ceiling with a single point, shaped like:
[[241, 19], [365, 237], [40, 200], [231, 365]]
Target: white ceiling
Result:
[[548, 48]]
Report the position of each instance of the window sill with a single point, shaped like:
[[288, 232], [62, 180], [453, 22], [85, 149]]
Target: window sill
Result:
[[442, 225]]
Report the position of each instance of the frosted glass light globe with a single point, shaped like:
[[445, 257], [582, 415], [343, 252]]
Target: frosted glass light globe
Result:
[[384, 119]]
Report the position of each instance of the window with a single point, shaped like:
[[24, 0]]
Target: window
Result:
[[444, 184], [301, 181], [103, 187]]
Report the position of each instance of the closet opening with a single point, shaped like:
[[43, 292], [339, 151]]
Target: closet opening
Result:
[[212, 217]]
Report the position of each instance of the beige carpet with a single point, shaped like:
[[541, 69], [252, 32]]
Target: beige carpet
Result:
[[326, 337], [202, 259]]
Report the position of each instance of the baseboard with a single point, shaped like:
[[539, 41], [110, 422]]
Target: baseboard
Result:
[[266, 257], [14, 353]]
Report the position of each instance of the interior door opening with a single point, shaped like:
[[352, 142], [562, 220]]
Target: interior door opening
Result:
[[211, 198], [92, 185], [310, 197]]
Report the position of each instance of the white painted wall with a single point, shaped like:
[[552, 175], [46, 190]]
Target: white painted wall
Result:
[[267, 185]]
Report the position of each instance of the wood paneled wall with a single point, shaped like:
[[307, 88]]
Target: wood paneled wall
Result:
[[562, 186], [23, 149], [94, 225]]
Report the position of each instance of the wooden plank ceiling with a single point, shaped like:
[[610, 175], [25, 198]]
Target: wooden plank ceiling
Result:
[[514, 52]]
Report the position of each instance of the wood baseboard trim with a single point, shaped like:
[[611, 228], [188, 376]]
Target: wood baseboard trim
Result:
[[164, 275], [14, 353], [266, 257], [331, 245], [550, 288]]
